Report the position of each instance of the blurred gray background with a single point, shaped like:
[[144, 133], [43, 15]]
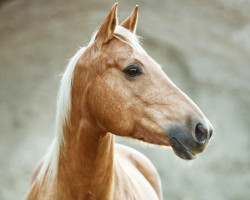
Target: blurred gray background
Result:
[[203, 46]]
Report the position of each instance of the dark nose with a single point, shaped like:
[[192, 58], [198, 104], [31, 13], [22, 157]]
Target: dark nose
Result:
[[202, 133]]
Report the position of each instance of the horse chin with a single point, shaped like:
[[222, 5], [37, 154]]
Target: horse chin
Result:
[[180, 150]]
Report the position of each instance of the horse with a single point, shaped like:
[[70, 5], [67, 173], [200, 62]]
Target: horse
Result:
[[113, 87]]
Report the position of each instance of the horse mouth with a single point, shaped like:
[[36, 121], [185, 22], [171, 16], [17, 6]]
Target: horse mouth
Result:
[[180, 150]]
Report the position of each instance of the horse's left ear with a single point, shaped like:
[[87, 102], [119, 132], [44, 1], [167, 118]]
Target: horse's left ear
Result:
[[107, 29], [131, 22]]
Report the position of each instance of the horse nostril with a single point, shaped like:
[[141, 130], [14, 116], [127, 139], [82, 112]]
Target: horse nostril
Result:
[[210, 133], [201, 133]]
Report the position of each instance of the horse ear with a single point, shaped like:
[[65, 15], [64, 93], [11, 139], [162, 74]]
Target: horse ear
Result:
[[107, 29], [131, 22]]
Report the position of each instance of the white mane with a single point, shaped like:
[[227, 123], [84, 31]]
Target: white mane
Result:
[[51, 159], [50, 162]]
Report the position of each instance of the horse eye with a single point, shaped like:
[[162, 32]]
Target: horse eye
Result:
[[132, 70]]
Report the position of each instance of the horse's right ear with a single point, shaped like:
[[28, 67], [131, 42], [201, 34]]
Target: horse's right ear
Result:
[[131, 22], [107, 29]]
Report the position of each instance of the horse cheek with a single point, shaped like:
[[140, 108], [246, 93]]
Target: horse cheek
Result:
[[110, 111]]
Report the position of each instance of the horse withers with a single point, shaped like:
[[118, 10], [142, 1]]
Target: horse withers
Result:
[[112, 87]]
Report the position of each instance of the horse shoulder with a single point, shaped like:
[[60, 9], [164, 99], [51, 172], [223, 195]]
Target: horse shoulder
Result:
[[143, 165]]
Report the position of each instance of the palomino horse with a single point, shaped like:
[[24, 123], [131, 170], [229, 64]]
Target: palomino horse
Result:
[[113, 87]]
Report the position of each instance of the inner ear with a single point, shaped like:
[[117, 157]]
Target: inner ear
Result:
[[131, 22], [107, 28]]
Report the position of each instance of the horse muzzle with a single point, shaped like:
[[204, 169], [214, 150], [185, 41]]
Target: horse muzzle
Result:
[[187, 143]]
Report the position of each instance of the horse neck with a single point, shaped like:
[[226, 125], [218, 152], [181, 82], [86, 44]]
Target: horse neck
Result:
[[86, 160]]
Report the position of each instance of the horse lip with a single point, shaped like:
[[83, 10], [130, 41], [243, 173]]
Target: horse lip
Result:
[[180, 150]]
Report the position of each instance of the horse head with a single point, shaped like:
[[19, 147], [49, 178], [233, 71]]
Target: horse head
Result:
[[128, 94]]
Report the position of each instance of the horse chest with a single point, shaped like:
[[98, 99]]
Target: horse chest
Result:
[[130, 184]]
